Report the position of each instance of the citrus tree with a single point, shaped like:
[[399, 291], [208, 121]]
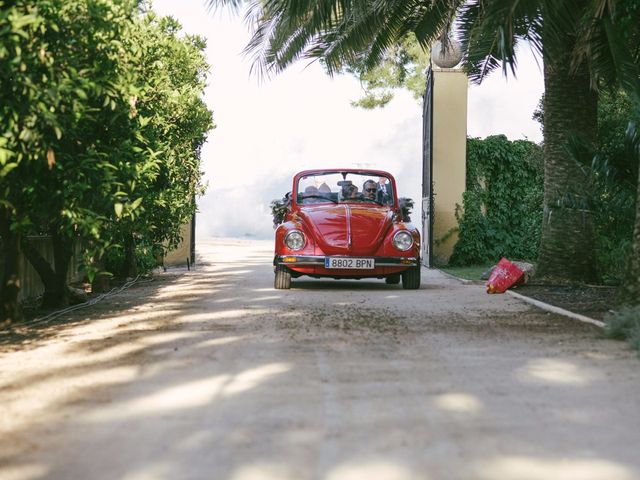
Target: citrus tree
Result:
[[101, 139], [173, 122], [68, 196]]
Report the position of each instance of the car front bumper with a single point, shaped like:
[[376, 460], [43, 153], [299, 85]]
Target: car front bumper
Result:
[[318, 261]]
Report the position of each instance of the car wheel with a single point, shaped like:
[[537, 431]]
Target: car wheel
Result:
[[283, 278], [393, 279], [411, 278]]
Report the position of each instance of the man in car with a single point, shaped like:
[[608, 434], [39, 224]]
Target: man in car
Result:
[[369, 190]]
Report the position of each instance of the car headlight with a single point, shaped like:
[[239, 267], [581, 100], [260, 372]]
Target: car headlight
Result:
[[402, 240], [294, 240]]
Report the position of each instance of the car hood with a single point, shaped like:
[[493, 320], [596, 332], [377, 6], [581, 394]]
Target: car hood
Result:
[[347, 229]]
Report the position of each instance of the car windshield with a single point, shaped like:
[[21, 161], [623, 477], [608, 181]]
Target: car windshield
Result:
[[344, 187]]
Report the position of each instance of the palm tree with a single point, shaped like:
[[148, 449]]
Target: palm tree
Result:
[[584, 43]]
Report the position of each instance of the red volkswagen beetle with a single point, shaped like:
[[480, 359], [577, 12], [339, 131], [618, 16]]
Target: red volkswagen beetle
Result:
[[345, 223]]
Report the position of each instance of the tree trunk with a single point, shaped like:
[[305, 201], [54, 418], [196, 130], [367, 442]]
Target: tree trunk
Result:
[[10, 311], [101, 282], [62, 253], [567, 244], [130, 265], [54, 279]]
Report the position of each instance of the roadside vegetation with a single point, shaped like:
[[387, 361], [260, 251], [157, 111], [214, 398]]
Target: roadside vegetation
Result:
[[624, 324], [501, 215], [102, 124], [502, 210]]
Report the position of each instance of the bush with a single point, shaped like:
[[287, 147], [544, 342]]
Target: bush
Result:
[[502, 207], [611, 165], [147, 257], [624, 325], [613, 174]]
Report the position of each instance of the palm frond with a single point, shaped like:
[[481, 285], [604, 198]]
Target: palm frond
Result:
[[339, 31], [436, 21], [344, 33], [632, 143], [490, 32], [215, 4], [280, 39], [605, 43]]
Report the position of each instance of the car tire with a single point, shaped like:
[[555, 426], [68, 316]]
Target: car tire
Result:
[[411, 278], [283, 278], [392, 279]]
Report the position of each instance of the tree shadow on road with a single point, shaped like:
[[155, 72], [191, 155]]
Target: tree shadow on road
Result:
[[188, 377]]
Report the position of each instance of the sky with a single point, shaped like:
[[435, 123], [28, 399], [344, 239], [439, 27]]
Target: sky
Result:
[[267, 130]]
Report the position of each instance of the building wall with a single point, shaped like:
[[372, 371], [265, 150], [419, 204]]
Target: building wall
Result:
[[449, 155], [179, 255]]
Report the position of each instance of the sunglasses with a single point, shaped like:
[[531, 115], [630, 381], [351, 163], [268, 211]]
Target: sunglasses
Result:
[[370, 190]]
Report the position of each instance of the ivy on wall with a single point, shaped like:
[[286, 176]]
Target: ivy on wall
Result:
[[501, 213]]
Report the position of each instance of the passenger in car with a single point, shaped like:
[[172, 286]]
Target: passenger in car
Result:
[[384, 191], [350, 192], [369, 190]]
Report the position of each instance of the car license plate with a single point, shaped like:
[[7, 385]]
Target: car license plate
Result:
[[349, 263]]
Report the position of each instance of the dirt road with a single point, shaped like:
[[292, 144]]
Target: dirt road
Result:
[[213, 374]]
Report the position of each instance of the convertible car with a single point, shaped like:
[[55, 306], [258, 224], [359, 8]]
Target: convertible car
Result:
[[345, 223]]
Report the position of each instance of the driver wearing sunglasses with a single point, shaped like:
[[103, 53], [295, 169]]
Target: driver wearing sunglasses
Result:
[[369, 190]]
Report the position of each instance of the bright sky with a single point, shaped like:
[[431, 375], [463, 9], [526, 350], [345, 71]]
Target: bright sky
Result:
[[268, 130]]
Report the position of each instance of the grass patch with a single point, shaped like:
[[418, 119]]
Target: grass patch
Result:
[[624, 325], [472, 272]]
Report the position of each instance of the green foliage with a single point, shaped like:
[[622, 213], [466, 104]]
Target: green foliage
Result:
[[624, 325], [402, 66], [148, 257], [28, 108], [102, 122], [280, 209], [611, 167], [67, 121], [173, 122], [473, 246], [406, 207], [502, 206]]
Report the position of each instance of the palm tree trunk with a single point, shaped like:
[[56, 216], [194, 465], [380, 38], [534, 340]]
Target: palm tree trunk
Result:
[[10, 311], [567, 245]]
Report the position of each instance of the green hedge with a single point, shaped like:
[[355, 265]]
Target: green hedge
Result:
[[614, 175], [502, 207]]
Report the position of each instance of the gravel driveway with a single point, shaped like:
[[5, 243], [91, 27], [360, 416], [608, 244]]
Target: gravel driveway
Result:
[[213, 374]]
